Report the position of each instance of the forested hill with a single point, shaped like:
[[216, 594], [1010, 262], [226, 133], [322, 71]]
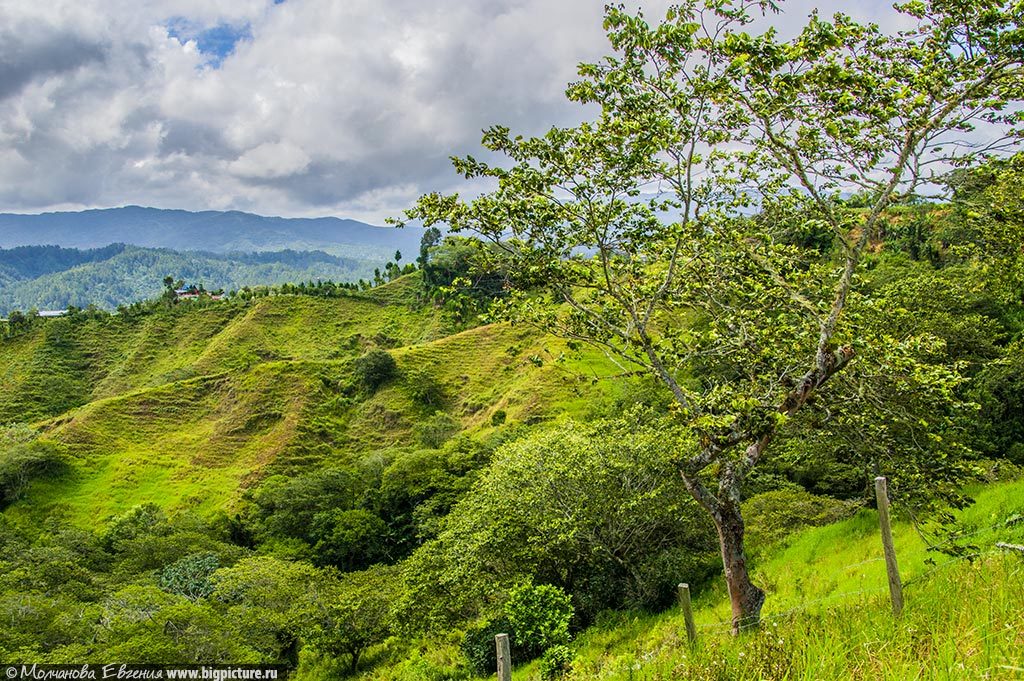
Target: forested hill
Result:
[[54, 278], [216, 231], [210, 481]]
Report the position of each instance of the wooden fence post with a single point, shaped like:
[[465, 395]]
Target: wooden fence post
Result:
[[684, 603], [893, 570], [504, 657]]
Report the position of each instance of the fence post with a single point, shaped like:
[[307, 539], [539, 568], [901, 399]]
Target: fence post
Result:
[[504, 657], [893, 570], [684, 603]]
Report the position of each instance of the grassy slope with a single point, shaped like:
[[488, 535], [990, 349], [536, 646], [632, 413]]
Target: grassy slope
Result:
[[188, 408], [828, 613], [827, 616]]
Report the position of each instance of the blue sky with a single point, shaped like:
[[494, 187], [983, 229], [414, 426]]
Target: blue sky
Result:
[[216, 42]]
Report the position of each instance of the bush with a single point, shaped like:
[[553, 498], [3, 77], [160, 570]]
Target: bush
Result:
[[374, 369], [478, 645], [424, 388], [772, 516], [190, 576], [22, 459], [498, 417], [555, 662], [144, 520], [539, 616], [436, 430]]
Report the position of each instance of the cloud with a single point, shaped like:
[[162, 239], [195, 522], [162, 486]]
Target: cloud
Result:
[[304, 107], [268, 161]]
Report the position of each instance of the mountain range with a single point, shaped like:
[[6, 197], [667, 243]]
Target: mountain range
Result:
[[116, 256], [213, 231], [54, 278]]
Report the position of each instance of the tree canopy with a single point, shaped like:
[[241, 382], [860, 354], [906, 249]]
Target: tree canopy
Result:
[[654, 230]]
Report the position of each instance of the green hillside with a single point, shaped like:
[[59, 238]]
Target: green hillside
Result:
[[190, 406], [830, 616]]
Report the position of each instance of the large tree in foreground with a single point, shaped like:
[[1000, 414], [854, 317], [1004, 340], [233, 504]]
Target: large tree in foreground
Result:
[[663, 229]]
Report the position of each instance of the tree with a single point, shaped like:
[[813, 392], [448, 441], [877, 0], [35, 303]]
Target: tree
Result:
[[190, 576], [17, 322], [594, 509], [652, 229], [374, 369], [271, 602], [355, 614], [348, 539], [23, 458]]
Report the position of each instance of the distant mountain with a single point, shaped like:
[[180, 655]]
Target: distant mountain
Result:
[[212, 231], [53, 278]]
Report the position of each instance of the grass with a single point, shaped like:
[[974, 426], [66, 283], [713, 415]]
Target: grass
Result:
[[828, 615], [188, 407]]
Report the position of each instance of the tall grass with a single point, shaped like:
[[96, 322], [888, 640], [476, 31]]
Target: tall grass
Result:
[[828, 615]]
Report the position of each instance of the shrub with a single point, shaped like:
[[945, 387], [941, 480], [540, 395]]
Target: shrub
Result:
[[23, 458], [144, 520], [539, 616], [436, 430], [772, 516], [190, 576], [478, 645], [424, 388], [498, 417], [555, 662], [374, 369]]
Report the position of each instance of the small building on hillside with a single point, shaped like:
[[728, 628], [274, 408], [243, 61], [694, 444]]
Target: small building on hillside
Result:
[[187, 292]]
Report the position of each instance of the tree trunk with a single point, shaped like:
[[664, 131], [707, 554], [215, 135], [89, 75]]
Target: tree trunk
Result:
[[745, 596], [353, 659]]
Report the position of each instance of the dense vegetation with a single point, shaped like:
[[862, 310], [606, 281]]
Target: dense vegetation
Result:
[[377, 479]]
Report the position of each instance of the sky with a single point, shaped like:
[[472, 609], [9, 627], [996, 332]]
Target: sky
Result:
[[296, 107]]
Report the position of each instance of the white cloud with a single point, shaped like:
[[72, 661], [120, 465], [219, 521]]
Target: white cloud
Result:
[[268, 161], [349, 108]]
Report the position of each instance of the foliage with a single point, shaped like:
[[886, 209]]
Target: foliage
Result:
[[355, 615], [374, 369], [145, 519], [772, 516], [462, 276], [555, 663], [287, 506], [741, 328], [348, 539], [270, 603], [539, 616], [23, 459], [424, 388], [588, 508], [999, 390], [437, 429], [190, 576], [418, 490], [479, 647]]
